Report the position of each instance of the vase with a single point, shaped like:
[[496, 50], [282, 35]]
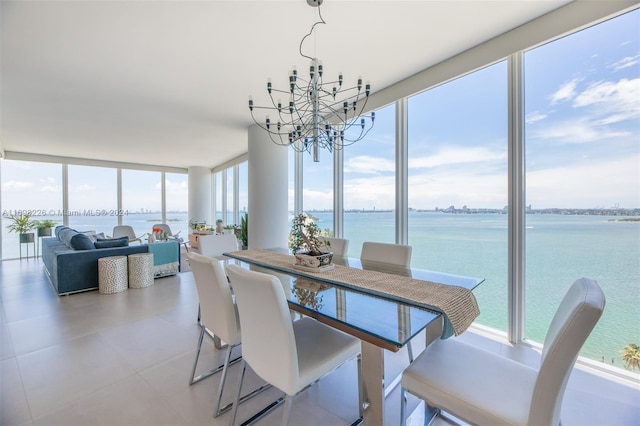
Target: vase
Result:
[[311, 261]]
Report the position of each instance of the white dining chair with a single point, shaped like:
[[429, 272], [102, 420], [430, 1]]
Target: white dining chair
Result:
[[338, 246], [482, 387], [215, 245], [395, 254], [299, 352], [127, 231], [218, 315]]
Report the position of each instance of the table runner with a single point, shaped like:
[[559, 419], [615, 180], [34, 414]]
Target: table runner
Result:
[[458, 304]]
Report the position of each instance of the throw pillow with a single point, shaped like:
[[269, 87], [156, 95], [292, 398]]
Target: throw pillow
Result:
[[95, 236], [81, 242], [65, 236], [58, 229], [111, 242]]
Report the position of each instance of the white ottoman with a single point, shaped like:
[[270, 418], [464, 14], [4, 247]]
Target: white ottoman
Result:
[[112, 274], [140, 270]]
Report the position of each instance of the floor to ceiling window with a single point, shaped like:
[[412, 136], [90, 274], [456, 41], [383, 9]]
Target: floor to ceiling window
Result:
[[92, 194], [217, 200], [243, 187], [31, 188], [228, 216], [177, 202], [141, 200], [369, 184], [93, 198], [317, 195], [231, 193], [458, 183], [582, 105]]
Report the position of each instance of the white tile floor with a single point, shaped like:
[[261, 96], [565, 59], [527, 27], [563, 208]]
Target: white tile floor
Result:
[[125, 359]]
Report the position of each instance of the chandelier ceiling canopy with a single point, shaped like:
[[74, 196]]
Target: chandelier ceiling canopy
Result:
[[318, 113]]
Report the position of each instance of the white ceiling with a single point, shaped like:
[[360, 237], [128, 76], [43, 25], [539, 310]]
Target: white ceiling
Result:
[[167, 82]]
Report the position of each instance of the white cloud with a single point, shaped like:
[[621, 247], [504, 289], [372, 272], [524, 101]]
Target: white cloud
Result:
[[576, 131], [14, 185], [317, 200], [535, 116], [55, 189], [594, 183], [458, 155], [369, 193], [604, 103], [565, 92], [369, 165], [627, 62], [85, 188], [617, 101], [465, 187]]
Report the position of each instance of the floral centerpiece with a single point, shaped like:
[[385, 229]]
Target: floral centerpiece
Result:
[[158, 233], [305, 243]]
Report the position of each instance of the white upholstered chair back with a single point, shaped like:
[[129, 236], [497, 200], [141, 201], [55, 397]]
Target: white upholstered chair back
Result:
[[167, 230], [125, 231], [338, 246], [572, 323], [216, 245], [217, 311], [268, 343], [395, 254]]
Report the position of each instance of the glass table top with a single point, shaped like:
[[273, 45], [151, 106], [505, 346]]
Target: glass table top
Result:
[[385, 322]]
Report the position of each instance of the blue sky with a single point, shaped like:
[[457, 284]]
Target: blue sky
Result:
[[582, 133]]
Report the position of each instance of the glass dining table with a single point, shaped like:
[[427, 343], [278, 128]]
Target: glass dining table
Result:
[[381, 322]]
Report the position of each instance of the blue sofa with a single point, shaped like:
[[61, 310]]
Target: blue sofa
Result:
[[71, 259]]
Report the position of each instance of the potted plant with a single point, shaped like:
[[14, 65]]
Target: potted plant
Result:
[[229, 229], [21, 224], [305, 243], [243, 231], [219, 226], [44, 227]]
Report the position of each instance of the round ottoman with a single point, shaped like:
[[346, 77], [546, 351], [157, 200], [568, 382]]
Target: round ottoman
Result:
[[140, 270], [112, 274]]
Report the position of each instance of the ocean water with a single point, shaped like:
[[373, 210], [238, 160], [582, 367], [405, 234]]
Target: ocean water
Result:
[[559, 249]]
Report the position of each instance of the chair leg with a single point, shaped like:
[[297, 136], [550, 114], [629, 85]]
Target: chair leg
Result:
[[232, 422], [403, 407], [227, 362], [360, 388], [288, 404], [217, 412], [203, 376], [195, 363]]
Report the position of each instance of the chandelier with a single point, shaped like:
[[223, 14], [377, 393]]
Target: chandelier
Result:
[[319, 113]]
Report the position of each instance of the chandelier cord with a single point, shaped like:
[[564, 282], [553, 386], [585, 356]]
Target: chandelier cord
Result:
[[321, 21]]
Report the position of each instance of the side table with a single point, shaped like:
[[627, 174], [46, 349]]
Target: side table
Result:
[[166, 258], [140, 270], [112, 274]]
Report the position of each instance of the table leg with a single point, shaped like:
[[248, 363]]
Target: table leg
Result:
[[373, 383]]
